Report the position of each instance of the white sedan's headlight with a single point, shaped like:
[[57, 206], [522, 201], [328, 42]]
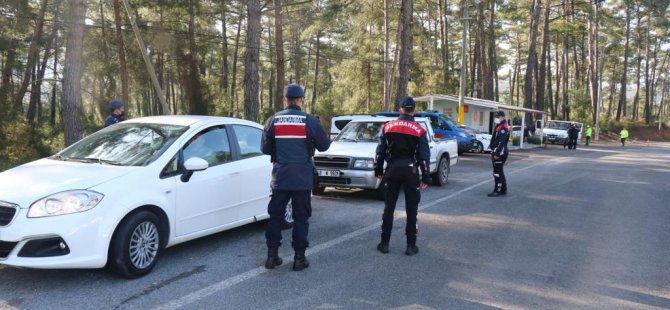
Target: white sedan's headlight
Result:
[[364, 164], [65, 203]]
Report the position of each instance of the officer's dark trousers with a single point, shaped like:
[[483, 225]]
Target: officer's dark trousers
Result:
[[499, 174], [406, 178], [588, 139], [302, 210]]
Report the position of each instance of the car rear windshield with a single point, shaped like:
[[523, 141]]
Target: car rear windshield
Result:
[[126, 144], [360, 131]]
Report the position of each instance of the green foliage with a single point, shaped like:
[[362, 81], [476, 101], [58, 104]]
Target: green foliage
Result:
[[22, 143]]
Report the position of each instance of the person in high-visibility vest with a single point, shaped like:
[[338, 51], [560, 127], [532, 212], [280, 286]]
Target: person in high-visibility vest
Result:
[[589, 133], [624, 135]]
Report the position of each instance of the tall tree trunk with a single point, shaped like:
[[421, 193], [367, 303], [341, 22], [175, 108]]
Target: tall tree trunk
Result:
[[624, 73], [233, 88], [636, 99], [594, 85], [647, 81], [559, 73], [532, 54], [491, 68], [72, 71], [544, 58], [121, 54], [444, 39], [405, 51], [251, 60], [387, 72], [613, 88], [196, 102], [279, 52], [33, 56], [550, 90], [224, 49], [566, 76], [316, 71]]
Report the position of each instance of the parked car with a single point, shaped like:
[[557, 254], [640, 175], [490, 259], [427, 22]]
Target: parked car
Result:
[[349, 163], [338, 122], [483, 140], [118, 197], [444, 128], [557, 131]]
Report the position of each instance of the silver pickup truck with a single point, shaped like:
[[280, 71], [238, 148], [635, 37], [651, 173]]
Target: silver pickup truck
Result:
[[349, 163]]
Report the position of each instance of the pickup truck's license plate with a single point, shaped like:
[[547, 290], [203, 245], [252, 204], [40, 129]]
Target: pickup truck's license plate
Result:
[[329, 173]]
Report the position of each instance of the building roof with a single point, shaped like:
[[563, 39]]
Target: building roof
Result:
[[493, 105]]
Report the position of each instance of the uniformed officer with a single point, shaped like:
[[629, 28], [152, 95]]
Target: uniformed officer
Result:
[[290, 137], [403, 145], [589, 134], [499, 154], [116, 112]]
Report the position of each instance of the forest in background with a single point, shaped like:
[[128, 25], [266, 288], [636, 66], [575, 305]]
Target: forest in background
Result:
[[61, 61]]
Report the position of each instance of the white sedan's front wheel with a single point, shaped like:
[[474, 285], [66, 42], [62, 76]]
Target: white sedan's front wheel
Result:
[[135, 246]]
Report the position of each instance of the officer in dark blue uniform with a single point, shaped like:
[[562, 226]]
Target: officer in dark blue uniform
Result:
[[116, 112], [403, 145], [499, 154], [290, 137]]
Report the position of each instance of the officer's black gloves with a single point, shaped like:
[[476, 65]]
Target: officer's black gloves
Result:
[[379, 172]]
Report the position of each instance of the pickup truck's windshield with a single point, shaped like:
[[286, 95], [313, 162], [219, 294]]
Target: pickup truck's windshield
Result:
[[360, 132], [558, 125]]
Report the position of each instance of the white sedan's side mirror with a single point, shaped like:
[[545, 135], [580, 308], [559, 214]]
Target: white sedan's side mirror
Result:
[[196, 164]]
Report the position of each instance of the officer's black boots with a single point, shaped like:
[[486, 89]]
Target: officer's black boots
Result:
[[300, 262], [411, 250], [273, 258], [383, 247], [497, 194]]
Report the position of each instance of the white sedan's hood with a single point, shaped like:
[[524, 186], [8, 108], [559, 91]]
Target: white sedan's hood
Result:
[[25, 184], [352, 149]]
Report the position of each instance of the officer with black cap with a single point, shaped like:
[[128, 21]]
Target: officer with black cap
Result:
[[116, 112], [499, 154], [290, 137], [403, 145]]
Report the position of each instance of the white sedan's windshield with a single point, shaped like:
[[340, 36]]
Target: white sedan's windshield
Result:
[[361, 131], [129, 144], [558, 125]]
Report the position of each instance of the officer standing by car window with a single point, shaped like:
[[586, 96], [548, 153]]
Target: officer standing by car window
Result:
[[403, 145], [290, 137], [117, 112], [499, 154]]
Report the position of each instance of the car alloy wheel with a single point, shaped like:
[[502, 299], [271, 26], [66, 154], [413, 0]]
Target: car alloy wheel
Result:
[[135, 245], [441, 176], [479, 148], [144, 245]]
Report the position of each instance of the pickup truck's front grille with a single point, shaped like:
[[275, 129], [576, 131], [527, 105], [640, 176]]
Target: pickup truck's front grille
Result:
[[332, 162], [334, 181], [7, 213]]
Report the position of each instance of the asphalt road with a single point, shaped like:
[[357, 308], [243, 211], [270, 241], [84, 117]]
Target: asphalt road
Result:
[[586, 229]]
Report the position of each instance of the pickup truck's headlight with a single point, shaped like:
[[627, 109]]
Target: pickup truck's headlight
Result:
[[65, 203], [364, 164]]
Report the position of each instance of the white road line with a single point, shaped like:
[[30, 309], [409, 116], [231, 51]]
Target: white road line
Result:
[[288, 259]]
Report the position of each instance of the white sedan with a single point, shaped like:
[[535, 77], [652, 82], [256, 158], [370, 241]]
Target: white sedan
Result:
[[119, 196]]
